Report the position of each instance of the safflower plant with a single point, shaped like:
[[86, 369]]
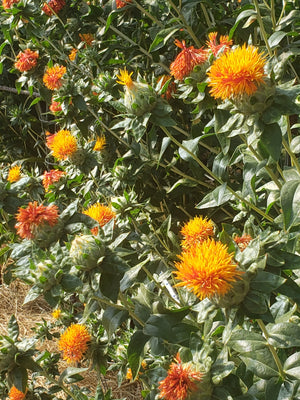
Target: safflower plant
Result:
[[149, 192]]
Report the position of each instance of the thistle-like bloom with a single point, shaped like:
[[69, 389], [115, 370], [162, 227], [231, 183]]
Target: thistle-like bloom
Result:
[[196, 230], [242, 241], [53, 75], [87, 38], [100, 143], [207, 269], [171, 88], [33, 216], [55, 106], [14, 174], [224, 42], [56, 313], [26, 60], [186, 60], [237, 73], [121, 4], [54, 6], [72, 54], [180, 382], [101, 213], [63, 144], [125, 78], [16, 394], [74, 343], [8, 3], [51, 177]]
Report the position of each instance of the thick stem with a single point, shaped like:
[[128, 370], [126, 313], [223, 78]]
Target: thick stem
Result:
[[262, 28]]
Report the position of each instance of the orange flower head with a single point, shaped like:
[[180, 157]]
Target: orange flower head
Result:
[[186, 60], [242, 241], [14, 174], [207, 269], [121, 4], [16, 394], [87, 38], [53, 75], [101, 213], [55, 106], [72, 54], [237, 73], [63, 144], [74, 343], [196, 230], [8, 3], [100, 143], [53, 7], [129, 374], [56, 313], [180, 382], [33, 216], [224, 42], [171, 88], [51, 177], [125, 78], [26, 60]]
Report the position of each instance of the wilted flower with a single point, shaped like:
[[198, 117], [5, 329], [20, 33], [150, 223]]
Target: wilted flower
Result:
[[237, 73], [74, 342], [101, 213], [224, 42], [8, 3], [14, 174], [26, 60], [180, 382], [56, 313], [72, 54], [87, 38], [100, 143], [186, 60], [34, 216], [51, 177], [196, 230], [53, 75], [54, 6], [121, 4], [63, 144], [207, 269], [242, 241], [55, 106], [16, 394]]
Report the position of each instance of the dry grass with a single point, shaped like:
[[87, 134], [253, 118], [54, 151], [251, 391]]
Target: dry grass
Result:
[[11, 303]]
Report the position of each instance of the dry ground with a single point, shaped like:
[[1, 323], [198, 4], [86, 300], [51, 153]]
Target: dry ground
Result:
[[11, 303]]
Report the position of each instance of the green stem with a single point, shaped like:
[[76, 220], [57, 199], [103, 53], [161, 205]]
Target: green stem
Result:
[[215, 177], [131, 313], [294, 159], [273, 15], [262, 28], [272, 349], [209, 24], [143, 10]]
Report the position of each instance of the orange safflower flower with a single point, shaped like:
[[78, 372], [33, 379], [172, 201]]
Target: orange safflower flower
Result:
[[121, 4], [14, 174], [63, 144], [72, 54], [26, 60], [125, 78], [186, 60], [196, 230], [237, 73], [101, 213], [242, 241], [207, 269], [171, 88], [16, 394], [53, 75], [8, 3], [49, 138], [74, 342], [180, 382], [100, 143], [224, 42], [33, 216], [55, 106], [51, 177], [54, 6], [87, 38], [56, 313]]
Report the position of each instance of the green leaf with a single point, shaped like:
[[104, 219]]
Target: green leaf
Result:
[[217, 197], [292, 365], [112, 319], [192, 146], [261, 363], [13, 328], [159, 326], [284, 335], [110, 285], [18, 377], [79, 102], [256, 302], [135, 351], [70, 371], [295, 145], [290, 203], [162, 37], [244, 341], [270, 141], [276, 38], [70, 283], [266, 282]]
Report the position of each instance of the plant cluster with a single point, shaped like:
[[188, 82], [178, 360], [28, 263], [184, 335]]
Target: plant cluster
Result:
[[149, 192]]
